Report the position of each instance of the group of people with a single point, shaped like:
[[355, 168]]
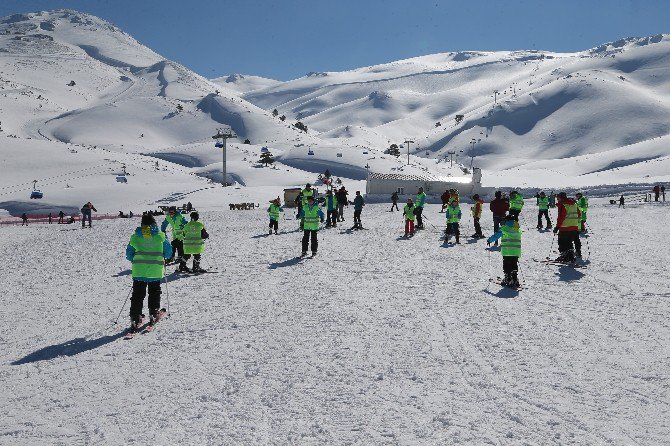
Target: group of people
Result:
[[659, 190], [149, 251]]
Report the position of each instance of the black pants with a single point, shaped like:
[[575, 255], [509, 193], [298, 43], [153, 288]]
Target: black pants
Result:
[[357, 216], [540, 213], [274, 224], [331, 218], [305, 240], [84, 217], [178, 248], [478, 228], [419, 220], [569, 241], [510, 264], [453, 229], [137, 298], [196, 259], [395, 204], [515, 213], [496, 224]]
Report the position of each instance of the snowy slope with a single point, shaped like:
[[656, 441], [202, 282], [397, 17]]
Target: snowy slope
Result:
[[243, 83], [416, 350]]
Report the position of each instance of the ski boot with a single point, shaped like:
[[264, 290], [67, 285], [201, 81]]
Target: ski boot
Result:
[[506, 280], [136, 324], [313, 253], [276, 233], [270, 233], [549, 226], [183, 268], [304, 254], [458, 239], [514, 280], [196, 267]]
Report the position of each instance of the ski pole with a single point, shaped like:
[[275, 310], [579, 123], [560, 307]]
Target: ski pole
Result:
[[116, 322], [521, 272], [552, 245], [167, 294]]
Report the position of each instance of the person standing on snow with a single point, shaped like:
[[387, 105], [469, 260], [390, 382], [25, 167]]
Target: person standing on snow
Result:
[[510, 248], [24, 219], [311, 215], [515, 204], [86, 214], [273, 212], [583, 205], [567, 227], [330, 203], [194, 242], [50, 218], [445, 200], [657, 192], [552, 199], [61, 215], [622, 202], [147, 250], [663, 192], [394, 199], [453, 215], [342, 201], [418, 207], [177, 222], [476, 211], [304, 197], [543, 210], [499, 207], [358, 209], [409, 215]]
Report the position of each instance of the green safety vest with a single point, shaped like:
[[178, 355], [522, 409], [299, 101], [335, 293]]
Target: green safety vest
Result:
[[325, 202], [452, 214], [177, 224], [305, 194], [273, 210], [420, 198], [193, 241], [510, 244], [543, 203], [583, 205], [409, 212], [571, 216], [473, 209], [148, 261], [516, 202], [311, 218]]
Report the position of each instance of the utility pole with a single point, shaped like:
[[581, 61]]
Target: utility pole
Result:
[[408, 142], [495, 96], [451, 157], [221, 139], [473, 141]]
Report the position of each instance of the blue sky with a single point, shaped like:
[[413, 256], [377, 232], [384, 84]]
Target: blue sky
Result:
[[287, 39]]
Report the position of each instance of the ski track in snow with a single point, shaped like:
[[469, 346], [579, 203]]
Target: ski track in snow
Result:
[[377, 340]]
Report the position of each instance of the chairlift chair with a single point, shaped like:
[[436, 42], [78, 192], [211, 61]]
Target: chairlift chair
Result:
[[121, 179], [339, 154], [310, 152], [219, 145], [36, 194]]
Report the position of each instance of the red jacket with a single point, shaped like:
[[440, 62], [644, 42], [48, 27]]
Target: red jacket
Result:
[[445, 197], [499, 207], [478, 208], [561, 215]]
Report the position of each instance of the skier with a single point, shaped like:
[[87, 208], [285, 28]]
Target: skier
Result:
[[342, 201], [358, 209], [418, 207], [657, 192], [311, 214], [543, 209], [453, 215], [24, 219], [567, 227], [622, 202], [552, 199], [394, 199], [50, 218], [663, 192], [86, 214], [147, 250], [61, 215], [453, 195], [476, 210], [409, 215], [499, 207], [445, 200], [177, 222], [273, 211], [330, 204], [583, 205], [515, 204], [194, 242], [510, 248], [304, 196]]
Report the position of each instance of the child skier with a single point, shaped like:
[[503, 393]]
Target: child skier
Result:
[[273, 211], [311, 215], [510, 248], [583, 205], [358, 209], [476, 210], [177, 222], [453, 216], [543, 210], [194, 242], [408, 216], [147, 250]]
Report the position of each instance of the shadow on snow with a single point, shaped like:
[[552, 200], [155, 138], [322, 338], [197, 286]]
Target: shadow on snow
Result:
[[68, 348]]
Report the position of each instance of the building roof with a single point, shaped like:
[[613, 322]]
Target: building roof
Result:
[[419, 177]]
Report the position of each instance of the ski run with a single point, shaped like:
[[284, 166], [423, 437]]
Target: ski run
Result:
[[377, 340]]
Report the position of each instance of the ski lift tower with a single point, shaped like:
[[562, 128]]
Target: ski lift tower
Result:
[[221, 138], [408, 142]]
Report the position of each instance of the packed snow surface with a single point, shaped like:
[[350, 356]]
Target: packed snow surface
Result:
[[377, 340]]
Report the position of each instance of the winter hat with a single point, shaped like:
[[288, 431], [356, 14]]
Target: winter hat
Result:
[[475, 197], [195, 216]]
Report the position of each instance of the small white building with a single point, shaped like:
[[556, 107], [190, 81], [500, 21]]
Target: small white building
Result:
[[409, 184]]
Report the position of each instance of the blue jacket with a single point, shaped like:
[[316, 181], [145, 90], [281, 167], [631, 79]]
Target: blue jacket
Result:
[[358, 203], [320, 213], [167, 251], [495, 237]]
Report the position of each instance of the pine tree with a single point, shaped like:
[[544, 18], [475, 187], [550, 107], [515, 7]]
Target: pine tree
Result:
[[267, 158], [275, 113], [394, 150]]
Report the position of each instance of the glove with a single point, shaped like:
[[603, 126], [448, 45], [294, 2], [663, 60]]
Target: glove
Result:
[[556, 230], [322, 220], [488, 243]]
